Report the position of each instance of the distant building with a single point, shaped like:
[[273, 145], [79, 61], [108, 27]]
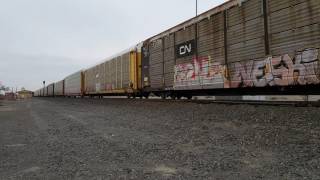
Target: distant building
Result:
[[2, 94], [10, 96], [25, 94]]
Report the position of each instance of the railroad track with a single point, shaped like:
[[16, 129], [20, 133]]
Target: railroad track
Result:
[[237, 102], [230, 102]]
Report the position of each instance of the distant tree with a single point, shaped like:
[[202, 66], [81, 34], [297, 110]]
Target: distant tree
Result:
[[3, 87]]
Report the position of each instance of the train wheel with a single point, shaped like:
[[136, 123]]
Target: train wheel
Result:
[[173, 96], [179, 97], [146, 95], [189, 97]]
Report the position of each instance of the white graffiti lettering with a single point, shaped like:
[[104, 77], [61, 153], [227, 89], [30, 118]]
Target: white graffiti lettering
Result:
[[283, 70]]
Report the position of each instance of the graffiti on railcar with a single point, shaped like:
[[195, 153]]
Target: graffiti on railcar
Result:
[[302, 69], [110, 87], [277, 71], [201, 72]]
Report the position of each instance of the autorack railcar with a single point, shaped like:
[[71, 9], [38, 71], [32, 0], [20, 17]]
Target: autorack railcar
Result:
[[118, 75], [241, 47], [255, 47]]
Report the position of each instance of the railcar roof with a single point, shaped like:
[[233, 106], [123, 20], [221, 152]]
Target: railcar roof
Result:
[[132, 48], [198, 18]]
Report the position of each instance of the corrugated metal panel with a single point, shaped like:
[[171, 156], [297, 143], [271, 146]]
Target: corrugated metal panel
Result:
[[51, 90], [296, 16], [186, 34], [92, 79], [155, 50], [119, 70], [156, 81], [96, 76], [276, 5], [59, 88], [248, 10], [46, 91], [102, 72], [169, 61], [156, 63], [169, 54], [125, 70], [89, 80], [108, 75], [294, 26], [248, 50], [211, 38], [156, 75], [96, 79], [169, 67], [245, 32], [169, 79], [113, 68], [73, 84], [168, 41], [217, 55], [156, 69], [204, 15]]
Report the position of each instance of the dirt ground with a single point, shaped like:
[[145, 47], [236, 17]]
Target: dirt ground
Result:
[[137, 139]]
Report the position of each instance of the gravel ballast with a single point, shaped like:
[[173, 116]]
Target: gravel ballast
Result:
[[58, 138]]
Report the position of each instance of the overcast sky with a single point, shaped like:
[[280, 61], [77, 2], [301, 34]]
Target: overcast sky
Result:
[[50, 39]]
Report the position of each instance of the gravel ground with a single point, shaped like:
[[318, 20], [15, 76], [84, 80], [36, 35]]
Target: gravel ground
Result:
[[133, 139]]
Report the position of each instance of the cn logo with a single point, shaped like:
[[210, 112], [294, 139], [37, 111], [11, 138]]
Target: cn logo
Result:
[[185, 49]]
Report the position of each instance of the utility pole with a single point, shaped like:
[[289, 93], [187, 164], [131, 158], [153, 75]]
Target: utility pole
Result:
[[44, 86], [196, 7]]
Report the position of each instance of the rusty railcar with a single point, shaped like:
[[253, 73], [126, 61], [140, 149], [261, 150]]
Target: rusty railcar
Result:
[[239, 47]]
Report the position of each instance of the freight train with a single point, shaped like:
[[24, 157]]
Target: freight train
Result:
[[242, 47]]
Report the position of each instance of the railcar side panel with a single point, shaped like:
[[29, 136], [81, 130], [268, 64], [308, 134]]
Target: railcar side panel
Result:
[[74, 84], [118, 75], [59, 88], [169, 61], [156, 64], [50, 89], [258, 43]]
